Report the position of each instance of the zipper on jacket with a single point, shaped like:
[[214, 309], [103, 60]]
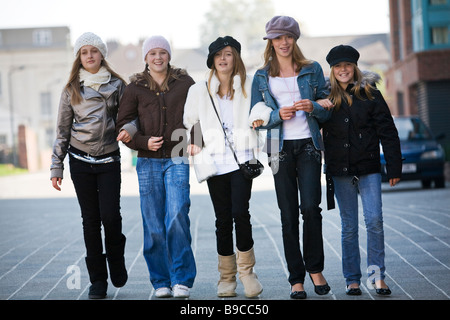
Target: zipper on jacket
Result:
[[164, 116], [105, 119]]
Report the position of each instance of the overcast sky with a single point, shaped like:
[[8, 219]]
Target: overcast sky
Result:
[[179, 20]]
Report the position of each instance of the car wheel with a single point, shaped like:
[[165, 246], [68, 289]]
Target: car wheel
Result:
[[426, 184], [440, 182]]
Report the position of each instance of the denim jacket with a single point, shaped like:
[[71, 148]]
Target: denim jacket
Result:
[[264, 106]]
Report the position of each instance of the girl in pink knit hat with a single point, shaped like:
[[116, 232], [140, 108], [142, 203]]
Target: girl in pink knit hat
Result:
[[156, 97]]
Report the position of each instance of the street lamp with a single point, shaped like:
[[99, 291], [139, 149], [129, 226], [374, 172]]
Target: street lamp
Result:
[[11, 111]]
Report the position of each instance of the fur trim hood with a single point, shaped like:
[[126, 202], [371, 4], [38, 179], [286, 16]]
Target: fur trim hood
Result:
[[139, 79], [370, 77]]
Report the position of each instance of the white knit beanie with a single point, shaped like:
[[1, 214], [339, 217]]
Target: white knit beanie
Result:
[[90, 39], [155, 42]]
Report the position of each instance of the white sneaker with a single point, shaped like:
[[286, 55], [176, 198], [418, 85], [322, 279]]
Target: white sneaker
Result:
[[180, 291], [163, 292]]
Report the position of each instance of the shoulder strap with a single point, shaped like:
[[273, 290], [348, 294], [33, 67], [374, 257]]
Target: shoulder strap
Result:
[[223, 129]]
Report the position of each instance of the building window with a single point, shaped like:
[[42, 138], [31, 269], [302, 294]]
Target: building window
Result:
[[439, 35], [437, 2], [46, 105], [42, 37], [400, 103], [49, 137], [420, 41]]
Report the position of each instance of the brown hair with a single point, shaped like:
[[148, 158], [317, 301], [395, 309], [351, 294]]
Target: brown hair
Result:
[[73, 84], [172, 73], [271, 60], [238, 68], [338, 94]]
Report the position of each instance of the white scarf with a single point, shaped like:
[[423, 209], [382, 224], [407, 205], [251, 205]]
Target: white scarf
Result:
[[95, 80]]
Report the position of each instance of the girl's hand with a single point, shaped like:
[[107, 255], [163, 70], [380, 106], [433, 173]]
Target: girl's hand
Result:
[[325, 103], [257, 123], [56, 182], [304, 105], [124, 136], [154, 143], [193, 149], [394, 181], [287, 113]]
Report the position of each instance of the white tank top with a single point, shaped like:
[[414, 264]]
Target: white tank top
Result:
[[286, 92]]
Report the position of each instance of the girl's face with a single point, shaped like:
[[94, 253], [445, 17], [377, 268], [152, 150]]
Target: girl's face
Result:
[[157, 60], [283, 45], [224, 60], [91, 58], [344, 73]]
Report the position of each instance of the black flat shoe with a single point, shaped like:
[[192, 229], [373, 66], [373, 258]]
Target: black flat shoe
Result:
[[322, 289], [353, 291], [382, 291], [298, 295]]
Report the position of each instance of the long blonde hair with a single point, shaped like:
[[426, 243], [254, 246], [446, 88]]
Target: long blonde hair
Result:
[[73, 84], [238, 68], [338, 94], [271, 60]]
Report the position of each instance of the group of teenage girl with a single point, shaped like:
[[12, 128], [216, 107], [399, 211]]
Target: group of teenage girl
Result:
[[304, 116]]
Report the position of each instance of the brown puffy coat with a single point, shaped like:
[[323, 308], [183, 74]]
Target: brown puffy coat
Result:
[[160, 114]]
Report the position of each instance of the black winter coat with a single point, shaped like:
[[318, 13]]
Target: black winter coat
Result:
[[353, 135]]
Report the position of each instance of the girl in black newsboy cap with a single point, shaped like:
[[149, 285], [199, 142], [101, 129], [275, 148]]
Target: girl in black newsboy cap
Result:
[[227, 92], [360, 121]]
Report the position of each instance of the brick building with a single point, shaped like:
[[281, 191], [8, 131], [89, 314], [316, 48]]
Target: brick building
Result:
[[418, 82]]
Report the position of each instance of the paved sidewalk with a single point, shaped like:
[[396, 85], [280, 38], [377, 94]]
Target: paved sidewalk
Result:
[[42, 250]]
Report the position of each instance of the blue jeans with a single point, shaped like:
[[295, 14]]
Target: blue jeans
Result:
[[164, 195], [346, 191], [299, 171]]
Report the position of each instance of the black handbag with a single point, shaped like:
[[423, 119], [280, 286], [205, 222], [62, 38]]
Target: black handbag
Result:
[[251, 168]]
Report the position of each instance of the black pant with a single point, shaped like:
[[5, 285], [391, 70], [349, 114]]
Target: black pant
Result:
[[98, 192], [299, 170], [230, 194]]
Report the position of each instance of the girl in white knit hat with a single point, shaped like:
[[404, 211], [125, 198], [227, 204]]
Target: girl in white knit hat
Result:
[[86, 130]]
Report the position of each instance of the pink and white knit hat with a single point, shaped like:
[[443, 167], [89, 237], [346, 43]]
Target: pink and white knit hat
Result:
[[155, 42]]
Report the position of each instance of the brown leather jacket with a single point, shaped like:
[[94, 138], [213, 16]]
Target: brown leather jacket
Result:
[[160, 114]]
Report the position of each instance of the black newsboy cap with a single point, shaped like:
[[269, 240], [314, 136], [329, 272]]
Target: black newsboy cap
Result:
[[218, 45], [342, 53]]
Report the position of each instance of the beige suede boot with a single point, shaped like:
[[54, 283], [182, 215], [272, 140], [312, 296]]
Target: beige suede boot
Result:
[[226, 287], [245, 264]]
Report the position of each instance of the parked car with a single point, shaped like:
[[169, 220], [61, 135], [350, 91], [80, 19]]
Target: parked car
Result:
[[423, 156]]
